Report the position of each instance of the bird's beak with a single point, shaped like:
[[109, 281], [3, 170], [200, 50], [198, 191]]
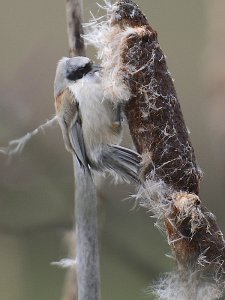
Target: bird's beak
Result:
[[96, 68]]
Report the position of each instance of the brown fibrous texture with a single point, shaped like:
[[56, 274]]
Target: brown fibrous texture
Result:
[[158, 130], [153, 111]]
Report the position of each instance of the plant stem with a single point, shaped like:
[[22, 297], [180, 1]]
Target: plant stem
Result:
[[87, 256]]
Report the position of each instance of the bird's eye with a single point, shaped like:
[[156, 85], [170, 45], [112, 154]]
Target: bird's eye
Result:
[[78, 73]]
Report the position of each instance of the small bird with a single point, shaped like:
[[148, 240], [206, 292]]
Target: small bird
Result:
[[91, 125]]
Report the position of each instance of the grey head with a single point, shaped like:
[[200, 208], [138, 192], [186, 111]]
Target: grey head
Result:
[[69, 70]]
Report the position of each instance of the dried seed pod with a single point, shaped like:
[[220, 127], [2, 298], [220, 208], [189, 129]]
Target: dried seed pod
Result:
[[153, 110]]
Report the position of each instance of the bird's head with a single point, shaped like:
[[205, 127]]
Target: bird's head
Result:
[[70, 70]]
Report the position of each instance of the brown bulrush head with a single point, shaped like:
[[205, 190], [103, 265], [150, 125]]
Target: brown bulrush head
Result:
[[194, 236], [160, 135], [153, 111]]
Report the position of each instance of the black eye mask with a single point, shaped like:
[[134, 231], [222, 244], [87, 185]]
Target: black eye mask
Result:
[[78, 73]]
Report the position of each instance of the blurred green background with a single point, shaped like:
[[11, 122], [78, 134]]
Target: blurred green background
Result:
[[36, 188]]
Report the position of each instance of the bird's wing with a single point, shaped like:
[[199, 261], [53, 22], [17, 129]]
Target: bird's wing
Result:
[[67, 110], [77, 141], [72, 127]]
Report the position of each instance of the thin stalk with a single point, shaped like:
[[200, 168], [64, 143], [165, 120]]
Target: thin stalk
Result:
[[87, 257], [87, 254]]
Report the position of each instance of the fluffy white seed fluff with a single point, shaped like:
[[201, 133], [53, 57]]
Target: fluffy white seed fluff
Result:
[[106, 38], [153, 195], [65, 263], [188, 287]]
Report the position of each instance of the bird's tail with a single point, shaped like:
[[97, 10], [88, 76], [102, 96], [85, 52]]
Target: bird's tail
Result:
[[124, 162]]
